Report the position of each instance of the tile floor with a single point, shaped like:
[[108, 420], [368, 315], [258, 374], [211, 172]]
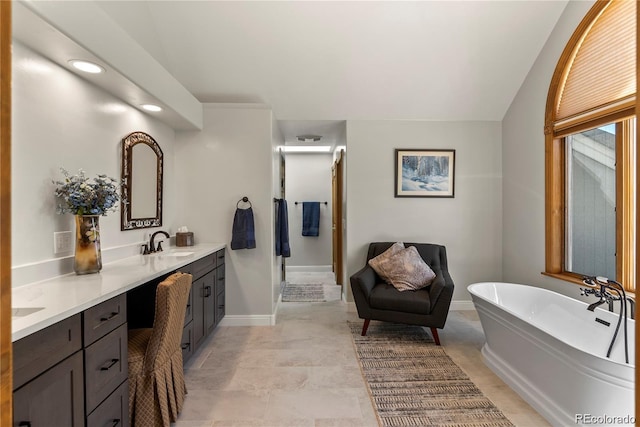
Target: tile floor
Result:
[[303, 372]]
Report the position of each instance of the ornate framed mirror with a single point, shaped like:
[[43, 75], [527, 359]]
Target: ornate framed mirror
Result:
[[141, 205]]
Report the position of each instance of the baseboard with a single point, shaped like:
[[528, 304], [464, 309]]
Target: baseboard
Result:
[[461, 305], [249, 320], [308, 269]]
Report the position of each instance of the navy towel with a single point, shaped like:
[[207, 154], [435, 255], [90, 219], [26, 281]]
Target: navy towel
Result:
[[310, 218], [243, 235], [282, 229]]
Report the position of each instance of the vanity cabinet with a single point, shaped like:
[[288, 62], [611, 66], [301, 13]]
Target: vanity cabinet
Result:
[[207, 301], [105, 362], [54, 398], [75, 371], [49, 376]]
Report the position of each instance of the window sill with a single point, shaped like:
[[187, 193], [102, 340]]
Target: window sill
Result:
[[576, 280], [567, 277]]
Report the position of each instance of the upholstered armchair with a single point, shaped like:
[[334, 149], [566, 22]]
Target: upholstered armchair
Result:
[[377, 300]]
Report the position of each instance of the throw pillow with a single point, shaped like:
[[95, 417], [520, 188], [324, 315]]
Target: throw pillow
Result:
[[378, 262], [407, 271]]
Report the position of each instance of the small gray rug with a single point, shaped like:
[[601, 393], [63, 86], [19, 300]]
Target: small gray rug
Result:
[[413, 382], [303, 292]]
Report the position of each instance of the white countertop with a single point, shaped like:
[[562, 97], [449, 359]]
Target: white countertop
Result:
[[64, 296]]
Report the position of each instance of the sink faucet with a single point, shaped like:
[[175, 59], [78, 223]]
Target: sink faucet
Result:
[[152, 247]]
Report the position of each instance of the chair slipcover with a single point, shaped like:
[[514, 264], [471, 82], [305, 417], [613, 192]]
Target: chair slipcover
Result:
[[156, 376]]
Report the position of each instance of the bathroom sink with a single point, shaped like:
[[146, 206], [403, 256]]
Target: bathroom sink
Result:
[[24, 311], [176, 253]]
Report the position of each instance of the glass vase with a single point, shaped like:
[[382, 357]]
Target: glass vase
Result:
[[88, 258]]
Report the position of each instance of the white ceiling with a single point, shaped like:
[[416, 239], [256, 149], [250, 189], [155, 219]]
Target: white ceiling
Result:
[[333, 61]]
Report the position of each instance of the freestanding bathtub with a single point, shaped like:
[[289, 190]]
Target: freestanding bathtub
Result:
[[552, 351]]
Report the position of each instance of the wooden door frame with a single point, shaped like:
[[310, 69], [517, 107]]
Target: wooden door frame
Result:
[[337, 192], [637, 198], [6, 384]]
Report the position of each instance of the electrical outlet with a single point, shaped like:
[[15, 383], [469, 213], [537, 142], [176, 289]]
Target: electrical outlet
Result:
[[62, 242]]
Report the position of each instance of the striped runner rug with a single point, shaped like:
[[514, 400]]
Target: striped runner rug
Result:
[[303, 292], [413, 382]]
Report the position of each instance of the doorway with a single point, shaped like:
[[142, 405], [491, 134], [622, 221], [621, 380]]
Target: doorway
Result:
[[315, 260]]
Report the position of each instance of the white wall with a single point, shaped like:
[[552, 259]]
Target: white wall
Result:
[[469, 225], [230, 158], [523, 163], [308, 179], [61, 120]]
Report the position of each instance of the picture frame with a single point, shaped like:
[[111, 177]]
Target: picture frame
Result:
[[424, 173]]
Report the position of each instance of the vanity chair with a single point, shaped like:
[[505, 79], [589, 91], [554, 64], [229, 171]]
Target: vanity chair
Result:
[[376, 299], [156, 377]]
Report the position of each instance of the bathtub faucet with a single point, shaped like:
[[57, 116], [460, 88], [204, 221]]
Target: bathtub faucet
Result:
[[602, 287], [593, 306], [600, 292]]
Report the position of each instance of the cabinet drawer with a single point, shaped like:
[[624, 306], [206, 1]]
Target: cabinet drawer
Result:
[[104, 318], [219, 280], [105, 366], [187, 342], [54, 399], [202, 266], [114, 411], [188, 314], [39, 351], [220, 258]]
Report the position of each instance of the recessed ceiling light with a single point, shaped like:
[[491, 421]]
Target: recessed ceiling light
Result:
[[309, 138], [86, 66], [306, 148], [151, 107]]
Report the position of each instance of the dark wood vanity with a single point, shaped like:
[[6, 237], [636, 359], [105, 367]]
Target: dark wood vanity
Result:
[[74, 372]]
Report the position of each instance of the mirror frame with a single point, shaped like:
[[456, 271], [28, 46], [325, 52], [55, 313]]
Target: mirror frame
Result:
[[128, 142]]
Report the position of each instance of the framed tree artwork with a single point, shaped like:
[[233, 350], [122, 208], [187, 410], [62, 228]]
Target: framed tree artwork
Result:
[[424, 173]]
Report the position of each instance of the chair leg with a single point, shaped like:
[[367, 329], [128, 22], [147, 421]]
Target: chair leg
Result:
[[365, 327], [436, 338]]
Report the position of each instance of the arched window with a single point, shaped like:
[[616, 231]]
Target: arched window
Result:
[[590, 149]]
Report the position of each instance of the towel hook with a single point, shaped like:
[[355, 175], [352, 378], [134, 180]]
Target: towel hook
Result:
[[245, 199]]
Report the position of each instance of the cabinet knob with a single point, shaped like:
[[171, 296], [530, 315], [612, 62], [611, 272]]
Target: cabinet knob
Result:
[[24, 424]]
